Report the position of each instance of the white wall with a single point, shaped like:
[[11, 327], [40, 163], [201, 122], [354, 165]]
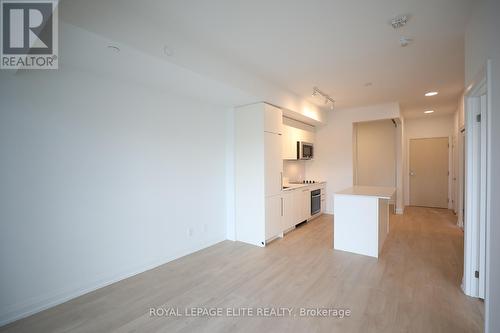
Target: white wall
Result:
[[230, 185], [426, 127], [482, 42], [375, 153], [294, 171], [333, 160], [101, 179]]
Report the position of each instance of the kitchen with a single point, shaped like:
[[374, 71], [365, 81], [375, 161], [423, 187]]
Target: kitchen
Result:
[[272, 195]]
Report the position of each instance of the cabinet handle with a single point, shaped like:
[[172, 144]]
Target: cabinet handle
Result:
[[281, 206]]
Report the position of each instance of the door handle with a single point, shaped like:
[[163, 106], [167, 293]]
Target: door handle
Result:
[[412, 173]]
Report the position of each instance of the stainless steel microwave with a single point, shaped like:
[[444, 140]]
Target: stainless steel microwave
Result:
[[305, 150]]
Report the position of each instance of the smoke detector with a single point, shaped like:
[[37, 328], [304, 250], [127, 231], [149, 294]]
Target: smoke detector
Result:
[[404, 41], [399, 21], [168, 51]]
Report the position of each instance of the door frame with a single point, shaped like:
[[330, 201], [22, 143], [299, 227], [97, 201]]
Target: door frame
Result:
[[450, 163], [475, 232]]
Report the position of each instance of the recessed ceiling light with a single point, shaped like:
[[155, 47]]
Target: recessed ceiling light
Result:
[[431, 93], [429, 111]]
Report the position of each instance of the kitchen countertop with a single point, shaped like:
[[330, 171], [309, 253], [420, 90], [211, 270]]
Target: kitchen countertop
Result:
[[370, 191], [292, 186]]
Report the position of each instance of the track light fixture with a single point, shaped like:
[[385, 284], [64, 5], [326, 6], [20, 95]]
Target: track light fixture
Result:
[[327, 97]]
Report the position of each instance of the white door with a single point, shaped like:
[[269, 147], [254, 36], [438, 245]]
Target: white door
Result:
[[429, 172], [273, 164], [479, 183], [274, 213], [475, 196]]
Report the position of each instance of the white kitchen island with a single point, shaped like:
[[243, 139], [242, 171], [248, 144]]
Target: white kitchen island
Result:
[[361, 219]]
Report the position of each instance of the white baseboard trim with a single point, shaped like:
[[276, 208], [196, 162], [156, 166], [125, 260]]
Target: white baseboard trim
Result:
[[38, 304], [400, 211]]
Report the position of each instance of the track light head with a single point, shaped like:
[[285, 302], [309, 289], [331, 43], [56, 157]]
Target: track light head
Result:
[[327, 97]]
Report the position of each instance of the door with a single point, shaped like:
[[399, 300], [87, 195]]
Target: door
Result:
[[429, 172], [273, 164], [477, 189]]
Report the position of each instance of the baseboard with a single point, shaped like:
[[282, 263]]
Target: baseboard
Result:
[[400, 211], [39, 304]]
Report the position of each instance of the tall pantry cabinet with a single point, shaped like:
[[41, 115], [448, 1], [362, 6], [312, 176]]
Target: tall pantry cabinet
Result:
[[258, 173]]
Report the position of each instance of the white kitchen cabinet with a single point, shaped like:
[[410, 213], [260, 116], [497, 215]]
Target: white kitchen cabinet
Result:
[[297, 207], [274, 216], [258, 173], [273, 164], [305, 204], [289, 210], [289, 143], [273, 119]]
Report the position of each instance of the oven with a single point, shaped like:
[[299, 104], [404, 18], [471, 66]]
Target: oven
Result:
[[315, 202]]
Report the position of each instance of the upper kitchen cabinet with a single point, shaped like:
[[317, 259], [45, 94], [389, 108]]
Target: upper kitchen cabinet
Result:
[[273, 119], [258, 172], [293, 132]]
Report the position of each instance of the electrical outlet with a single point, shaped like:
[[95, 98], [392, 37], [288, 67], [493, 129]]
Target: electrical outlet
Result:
[[190, 232]]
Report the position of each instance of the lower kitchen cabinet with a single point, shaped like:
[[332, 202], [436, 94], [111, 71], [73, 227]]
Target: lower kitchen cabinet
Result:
[[274, 216], [288, 209], [305, 204]]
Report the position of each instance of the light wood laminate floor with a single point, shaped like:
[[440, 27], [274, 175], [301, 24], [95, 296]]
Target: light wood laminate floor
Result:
[[413, 287]]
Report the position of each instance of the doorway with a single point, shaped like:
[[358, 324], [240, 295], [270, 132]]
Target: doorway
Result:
[[429, 172], [477, 190]]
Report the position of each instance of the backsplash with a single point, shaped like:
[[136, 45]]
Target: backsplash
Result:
[[294, 171]]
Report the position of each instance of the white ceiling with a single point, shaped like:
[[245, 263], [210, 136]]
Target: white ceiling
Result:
[[337, 45]]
